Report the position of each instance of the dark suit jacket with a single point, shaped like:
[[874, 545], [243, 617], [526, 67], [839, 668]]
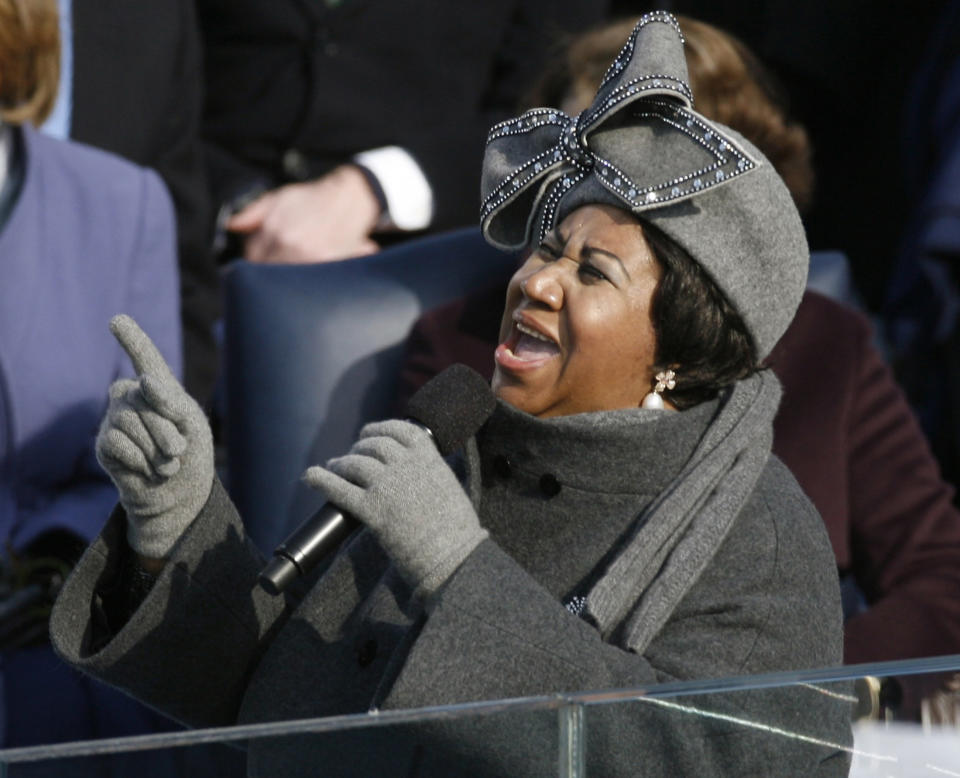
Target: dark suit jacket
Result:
[[846, 431], [295, 88], [137, 91]]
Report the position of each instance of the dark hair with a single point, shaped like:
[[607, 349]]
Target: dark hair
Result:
[[699, 333]]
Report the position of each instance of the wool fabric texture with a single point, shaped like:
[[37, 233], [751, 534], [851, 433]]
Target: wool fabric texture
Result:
[[156, 445], [221, 651], [683, 528], [640, 146], [395, 482], [520, 452], [699, 488]]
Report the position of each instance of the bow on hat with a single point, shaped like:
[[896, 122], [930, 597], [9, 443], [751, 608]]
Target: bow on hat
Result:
[[534, 161]]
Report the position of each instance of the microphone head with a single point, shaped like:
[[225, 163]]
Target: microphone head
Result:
[[453, 405]]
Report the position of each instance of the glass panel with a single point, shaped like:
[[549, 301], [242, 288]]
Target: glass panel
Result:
[[887, 719], [128, 760], [890, 719], [572, 753]]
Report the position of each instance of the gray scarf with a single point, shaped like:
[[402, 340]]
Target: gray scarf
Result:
[[684, 526]]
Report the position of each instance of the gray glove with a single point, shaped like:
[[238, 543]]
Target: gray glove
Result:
[[396, 483], [156, 446]]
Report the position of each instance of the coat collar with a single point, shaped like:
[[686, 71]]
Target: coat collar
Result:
[[632, 451]]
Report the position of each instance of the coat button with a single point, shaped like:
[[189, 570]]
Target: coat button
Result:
[[502, 466], [295, 165], [549, 485], [366, 652]]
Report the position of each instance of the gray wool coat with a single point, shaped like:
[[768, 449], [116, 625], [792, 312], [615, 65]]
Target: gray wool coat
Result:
[[210, 648]]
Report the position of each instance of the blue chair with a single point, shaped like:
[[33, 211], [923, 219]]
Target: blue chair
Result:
[[312, 352], [830, 275]]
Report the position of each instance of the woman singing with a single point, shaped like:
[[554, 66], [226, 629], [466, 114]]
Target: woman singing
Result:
[[618, 521]]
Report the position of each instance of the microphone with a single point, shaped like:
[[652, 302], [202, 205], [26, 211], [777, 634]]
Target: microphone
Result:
[[451, 407]]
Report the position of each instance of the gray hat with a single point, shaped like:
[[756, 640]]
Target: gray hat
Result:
[[641, 147]]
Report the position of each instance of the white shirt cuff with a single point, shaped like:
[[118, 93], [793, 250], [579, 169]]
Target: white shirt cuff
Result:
[[405, 187]]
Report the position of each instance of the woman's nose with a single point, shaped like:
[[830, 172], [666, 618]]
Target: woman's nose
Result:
[[543, 286]]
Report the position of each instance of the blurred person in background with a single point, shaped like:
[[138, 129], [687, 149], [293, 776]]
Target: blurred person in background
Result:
[[876, 87], [82, 233], [334, 126], [131, 83]]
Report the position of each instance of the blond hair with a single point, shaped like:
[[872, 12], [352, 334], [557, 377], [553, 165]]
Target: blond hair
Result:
[[29, 60]]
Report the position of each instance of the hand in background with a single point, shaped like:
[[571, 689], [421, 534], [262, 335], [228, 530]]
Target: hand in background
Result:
[[155, 444], [317, 221], [396, 483]]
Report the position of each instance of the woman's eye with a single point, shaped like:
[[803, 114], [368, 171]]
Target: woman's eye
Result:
[[548, 250], [591, 271]]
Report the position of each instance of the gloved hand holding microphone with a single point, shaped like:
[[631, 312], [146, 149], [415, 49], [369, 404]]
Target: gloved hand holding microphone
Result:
[[395, 481], [156, 445]]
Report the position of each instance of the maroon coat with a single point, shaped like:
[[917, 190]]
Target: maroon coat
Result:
[[846, 431]]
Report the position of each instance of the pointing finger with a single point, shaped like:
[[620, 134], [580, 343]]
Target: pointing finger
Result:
[[145, 356]]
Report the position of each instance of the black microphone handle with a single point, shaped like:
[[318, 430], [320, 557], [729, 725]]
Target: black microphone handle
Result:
[[325, 530], [318, 536]]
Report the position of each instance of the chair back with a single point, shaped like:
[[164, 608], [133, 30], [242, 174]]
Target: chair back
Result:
[[312, 352]]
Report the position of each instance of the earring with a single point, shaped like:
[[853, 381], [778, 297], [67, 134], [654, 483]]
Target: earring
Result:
[[665, 380]]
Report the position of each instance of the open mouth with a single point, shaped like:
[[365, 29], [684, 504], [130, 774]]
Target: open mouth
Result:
[[525, 347]]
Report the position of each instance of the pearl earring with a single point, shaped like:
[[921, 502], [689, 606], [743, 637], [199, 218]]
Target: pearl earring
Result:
[[665, 380]]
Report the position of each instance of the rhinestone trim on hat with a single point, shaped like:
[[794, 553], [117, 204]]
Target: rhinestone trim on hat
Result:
[[729, 162], [636, 86], [515, 182], [548, 212], [568, 150], [575, 150], [528, 121], [621, 60], [563, 156]]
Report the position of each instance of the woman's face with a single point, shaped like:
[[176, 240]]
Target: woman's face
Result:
[[576, 334]]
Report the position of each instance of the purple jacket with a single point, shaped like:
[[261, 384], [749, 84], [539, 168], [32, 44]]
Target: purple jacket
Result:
[[90, 236]]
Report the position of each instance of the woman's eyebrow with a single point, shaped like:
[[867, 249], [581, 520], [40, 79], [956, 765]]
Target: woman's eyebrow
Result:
[[589, 251]]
